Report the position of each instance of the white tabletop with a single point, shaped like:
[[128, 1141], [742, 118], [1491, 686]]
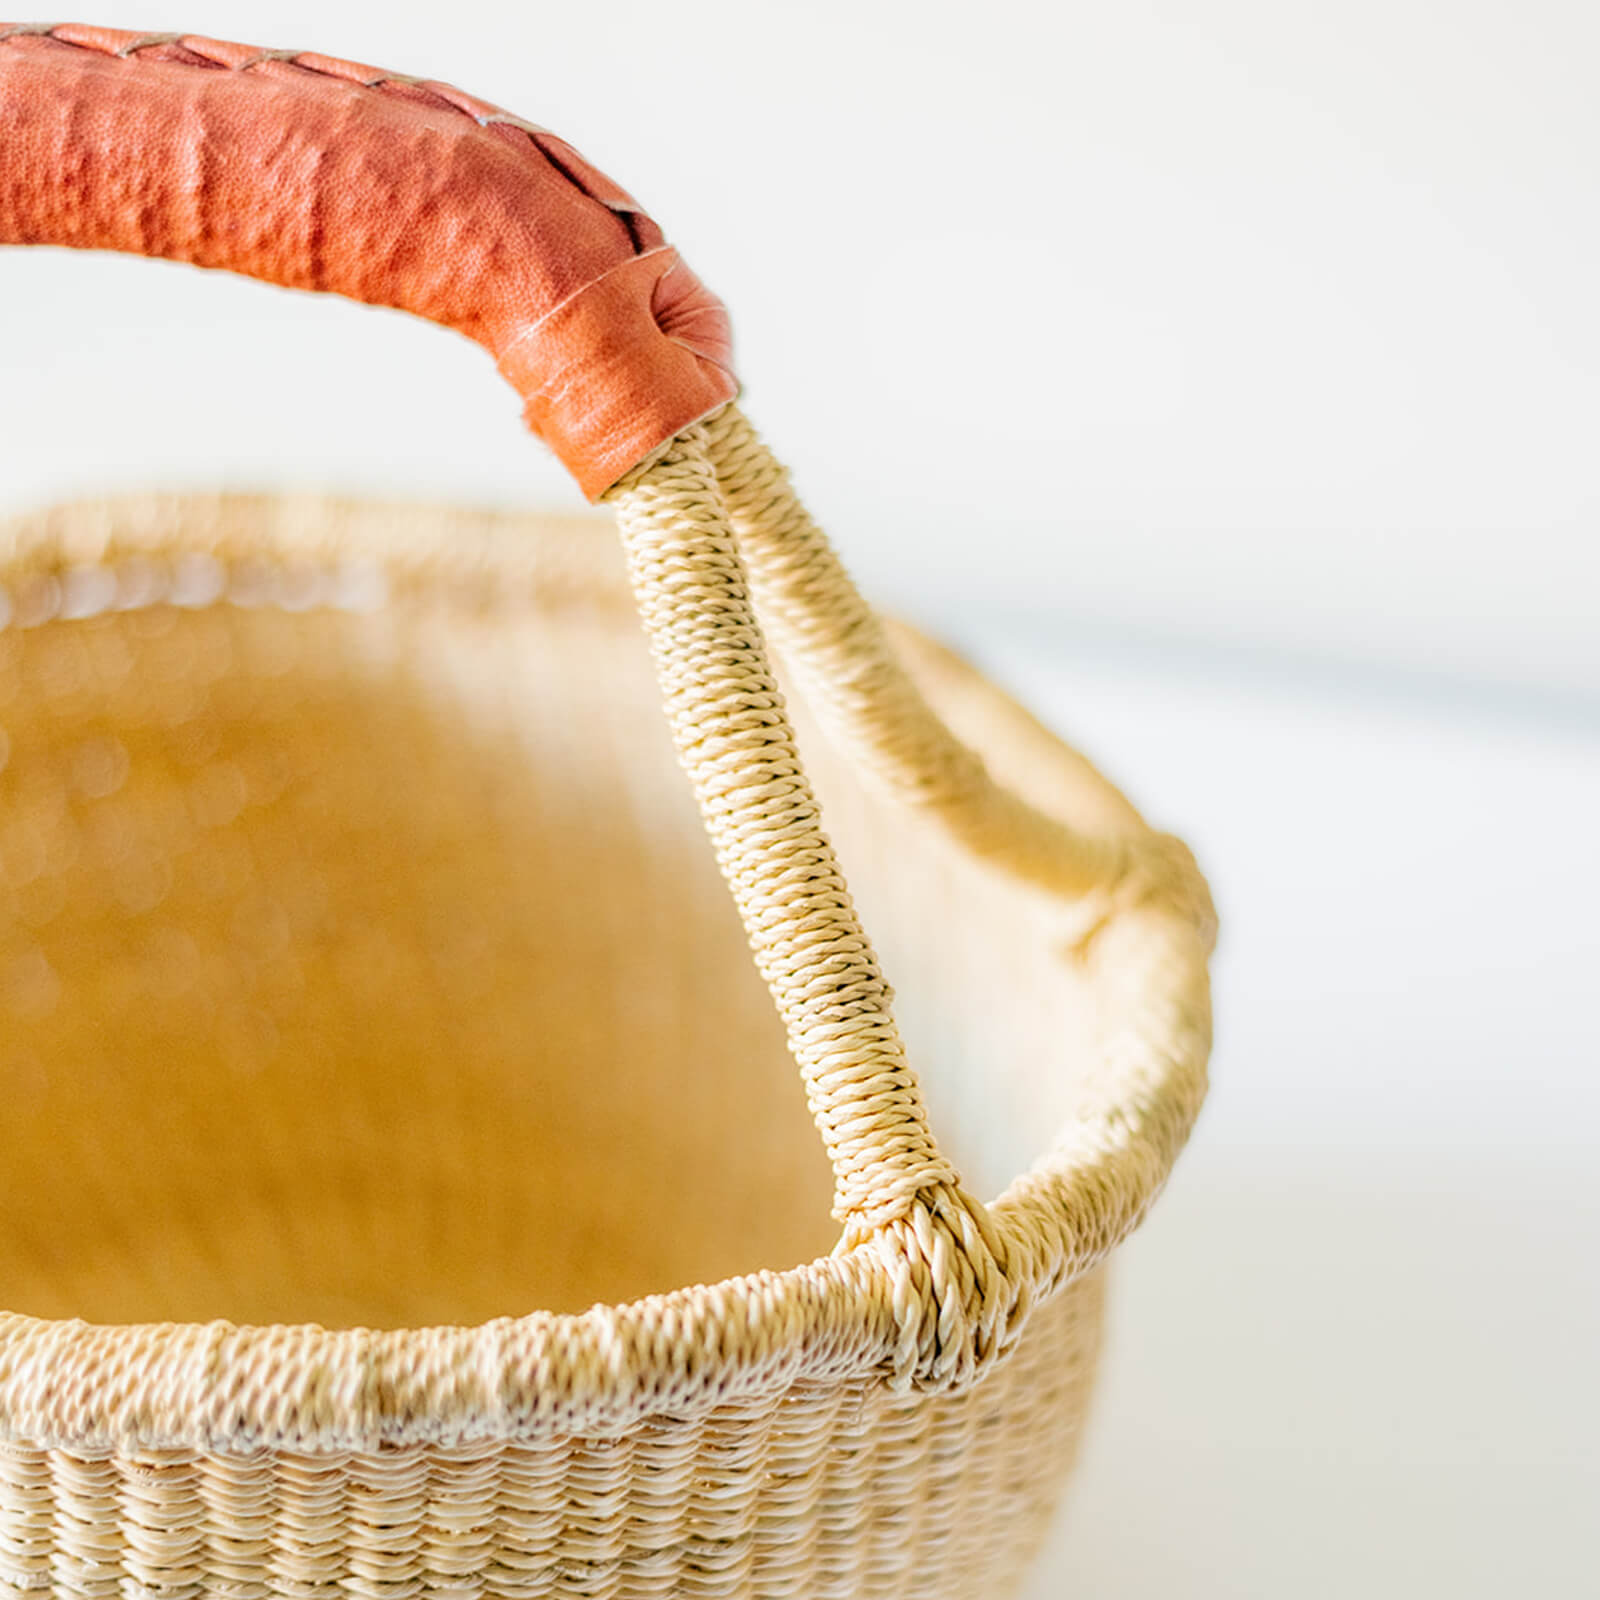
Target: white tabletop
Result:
[[1354, 1351]]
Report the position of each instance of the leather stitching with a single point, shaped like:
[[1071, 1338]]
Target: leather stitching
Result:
[[130, 51], [532, 330]]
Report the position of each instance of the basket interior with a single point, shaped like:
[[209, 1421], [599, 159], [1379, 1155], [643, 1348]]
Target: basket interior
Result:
[[369, 965]]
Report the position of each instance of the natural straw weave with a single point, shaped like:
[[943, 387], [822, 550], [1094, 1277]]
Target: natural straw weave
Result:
[[362, 964]]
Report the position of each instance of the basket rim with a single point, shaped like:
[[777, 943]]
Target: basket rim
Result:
[[742, 1342]]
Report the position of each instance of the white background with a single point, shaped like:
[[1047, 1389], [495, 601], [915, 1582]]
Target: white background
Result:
[[1226, 376]]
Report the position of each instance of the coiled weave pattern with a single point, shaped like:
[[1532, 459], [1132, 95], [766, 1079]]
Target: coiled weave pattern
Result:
[[841, 1490], [893, 1419]]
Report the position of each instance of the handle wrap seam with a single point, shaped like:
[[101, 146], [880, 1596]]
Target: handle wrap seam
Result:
[[184, 49]]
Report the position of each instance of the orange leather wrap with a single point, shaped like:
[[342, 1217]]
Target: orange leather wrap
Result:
[[322, 174]]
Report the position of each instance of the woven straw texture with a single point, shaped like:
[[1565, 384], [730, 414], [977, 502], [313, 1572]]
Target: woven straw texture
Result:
[[364, 967]]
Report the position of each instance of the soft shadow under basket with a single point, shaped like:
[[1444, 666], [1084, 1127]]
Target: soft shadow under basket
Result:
[[367, 983]]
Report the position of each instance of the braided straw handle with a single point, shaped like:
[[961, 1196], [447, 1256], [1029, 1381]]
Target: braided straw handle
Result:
[[322, 174]]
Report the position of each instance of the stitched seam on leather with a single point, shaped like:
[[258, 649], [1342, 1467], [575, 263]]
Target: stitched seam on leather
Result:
[[678, 339], [295, 58], [531, 331]]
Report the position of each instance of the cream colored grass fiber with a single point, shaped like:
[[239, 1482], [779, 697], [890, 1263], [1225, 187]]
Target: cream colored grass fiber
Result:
[[381, 1056]]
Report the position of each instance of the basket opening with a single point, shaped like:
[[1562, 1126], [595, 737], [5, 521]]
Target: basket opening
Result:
[[345, 981], [372, 968]]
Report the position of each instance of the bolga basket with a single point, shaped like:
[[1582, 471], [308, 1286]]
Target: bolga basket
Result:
[[366, 982]]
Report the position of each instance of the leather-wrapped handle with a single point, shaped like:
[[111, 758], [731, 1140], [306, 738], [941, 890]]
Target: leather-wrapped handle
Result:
[[322, 174]]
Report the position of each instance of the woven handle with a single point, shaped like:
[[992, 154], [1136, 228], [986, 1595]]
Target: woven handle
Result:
[[321, 174]]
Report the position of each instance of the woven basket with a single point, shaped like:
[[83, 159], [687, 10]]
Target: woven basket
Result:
[[367, 981]]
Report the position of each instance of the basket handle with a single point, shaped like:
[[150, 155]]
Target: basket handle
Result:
[[708, 524], [321, 174]]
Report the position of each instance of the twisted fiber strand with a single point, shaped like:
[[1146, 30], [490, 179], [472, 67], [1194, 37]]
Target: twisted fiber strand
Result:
[[733, 736], [895, 1191], [964, 1283], [855, 683]]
